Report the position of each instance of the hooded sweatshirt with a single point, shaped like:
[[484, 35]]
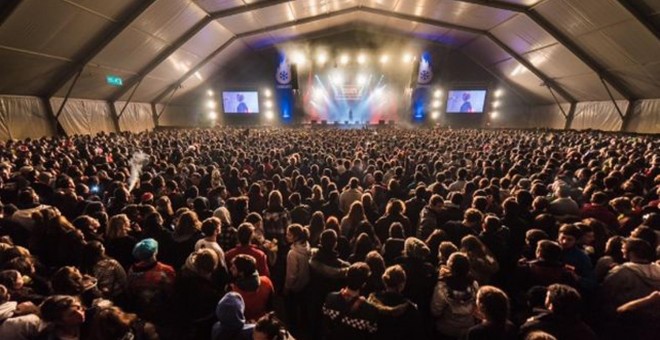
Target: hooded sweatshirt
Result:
[[19, 327], [297, 267], [231, 321]]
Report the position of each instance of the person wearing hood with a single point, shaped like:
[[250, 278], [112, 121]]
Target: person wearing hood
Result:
[[257, 291], [398, 317], [17, 321], [231, 324], [638, 277], [297, 274]]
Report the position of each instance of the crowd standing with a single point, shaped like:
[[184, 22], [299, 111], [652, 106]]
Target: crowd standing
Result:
[[330, 234]]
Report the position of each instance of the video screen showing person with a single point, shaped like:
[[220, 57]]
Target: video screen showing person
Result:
[[240, 102], [466, 101]]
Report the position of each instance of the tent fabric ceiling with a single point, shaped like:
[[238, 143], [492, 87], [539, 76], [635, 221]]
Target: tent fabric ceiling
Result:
[[43, 37]]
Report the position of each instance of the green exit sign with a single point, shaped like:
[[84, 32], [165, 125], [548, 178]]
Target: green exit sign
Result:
[[114, 80]]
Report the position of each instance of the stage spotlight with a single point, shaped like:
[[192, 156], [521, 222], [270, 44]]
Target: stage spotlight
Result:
[[436, 104], [210, 93], [361, 59], [435, 115], [494, 114], [437, 93], [317, 93], [496, 104], [210, 104], [378, 92], [384, 59], [337, 79], [361, 79], [344, 59], [213, 115], [269, 104], [269, 115], [267, 93], [299, 58], [499, 93], [321, 58], [407, 58]]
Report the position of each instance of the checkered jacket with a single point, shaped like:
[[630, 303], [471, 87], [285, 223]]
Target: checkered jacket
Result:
[[349, 318]]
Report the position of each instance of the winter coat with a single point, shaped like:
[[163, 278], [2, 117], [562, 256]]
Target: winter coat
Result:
[[297, 267], [398, 317], [630, 281], [348, 318], [17, 327], [453, 309]]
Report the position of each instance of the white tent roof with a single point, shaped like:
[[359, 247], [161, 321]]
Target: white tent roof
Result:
[[573, 46]]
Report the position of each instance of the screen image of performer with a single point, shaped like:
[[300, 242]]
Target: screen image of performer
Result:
[[242, 107], [467, 106], [350, 115]]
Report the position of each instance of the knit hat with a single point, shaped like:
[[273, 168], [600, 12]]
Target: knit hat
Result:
[[145, 249]]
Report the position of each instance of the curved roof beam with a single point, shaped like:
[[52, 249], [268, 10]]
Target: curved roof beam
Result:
[[128, 17], [189, 34], [595, 66], [547, 80]]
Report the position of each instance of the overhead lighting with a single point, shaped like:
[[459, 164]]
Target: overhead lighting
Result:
[[344, 59], [361, 79], [407, 58], [267, 93], [299, 58], [210, 104], [499, 93], [361, 59], [384, 59], [378, 91], [437, 93], [436, 104], [210, 93], [270, 115], [269, 104], [213, 115], [318, 93], [337, 79], [496, 104], [321, 58], [494, 114], [435, 115]]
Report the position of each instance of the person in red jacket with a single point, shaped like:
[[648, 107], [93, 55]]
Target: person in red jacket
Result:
[[245, 233], [599, 210], [257, 291]]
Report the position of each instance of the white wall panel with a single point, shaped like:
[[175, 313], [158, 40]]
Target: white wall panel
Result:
[[23, 117], [600, 115], [646, 117], [86, 117], [137, 117], [92, 83], [177, 116], [548, 116]]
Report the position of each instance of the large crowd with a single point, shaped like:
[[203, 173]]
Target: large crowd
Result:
[[330, 234]]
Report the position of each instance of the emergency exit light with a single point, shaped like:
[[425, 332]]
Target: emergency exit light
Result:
[[114, 80]]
